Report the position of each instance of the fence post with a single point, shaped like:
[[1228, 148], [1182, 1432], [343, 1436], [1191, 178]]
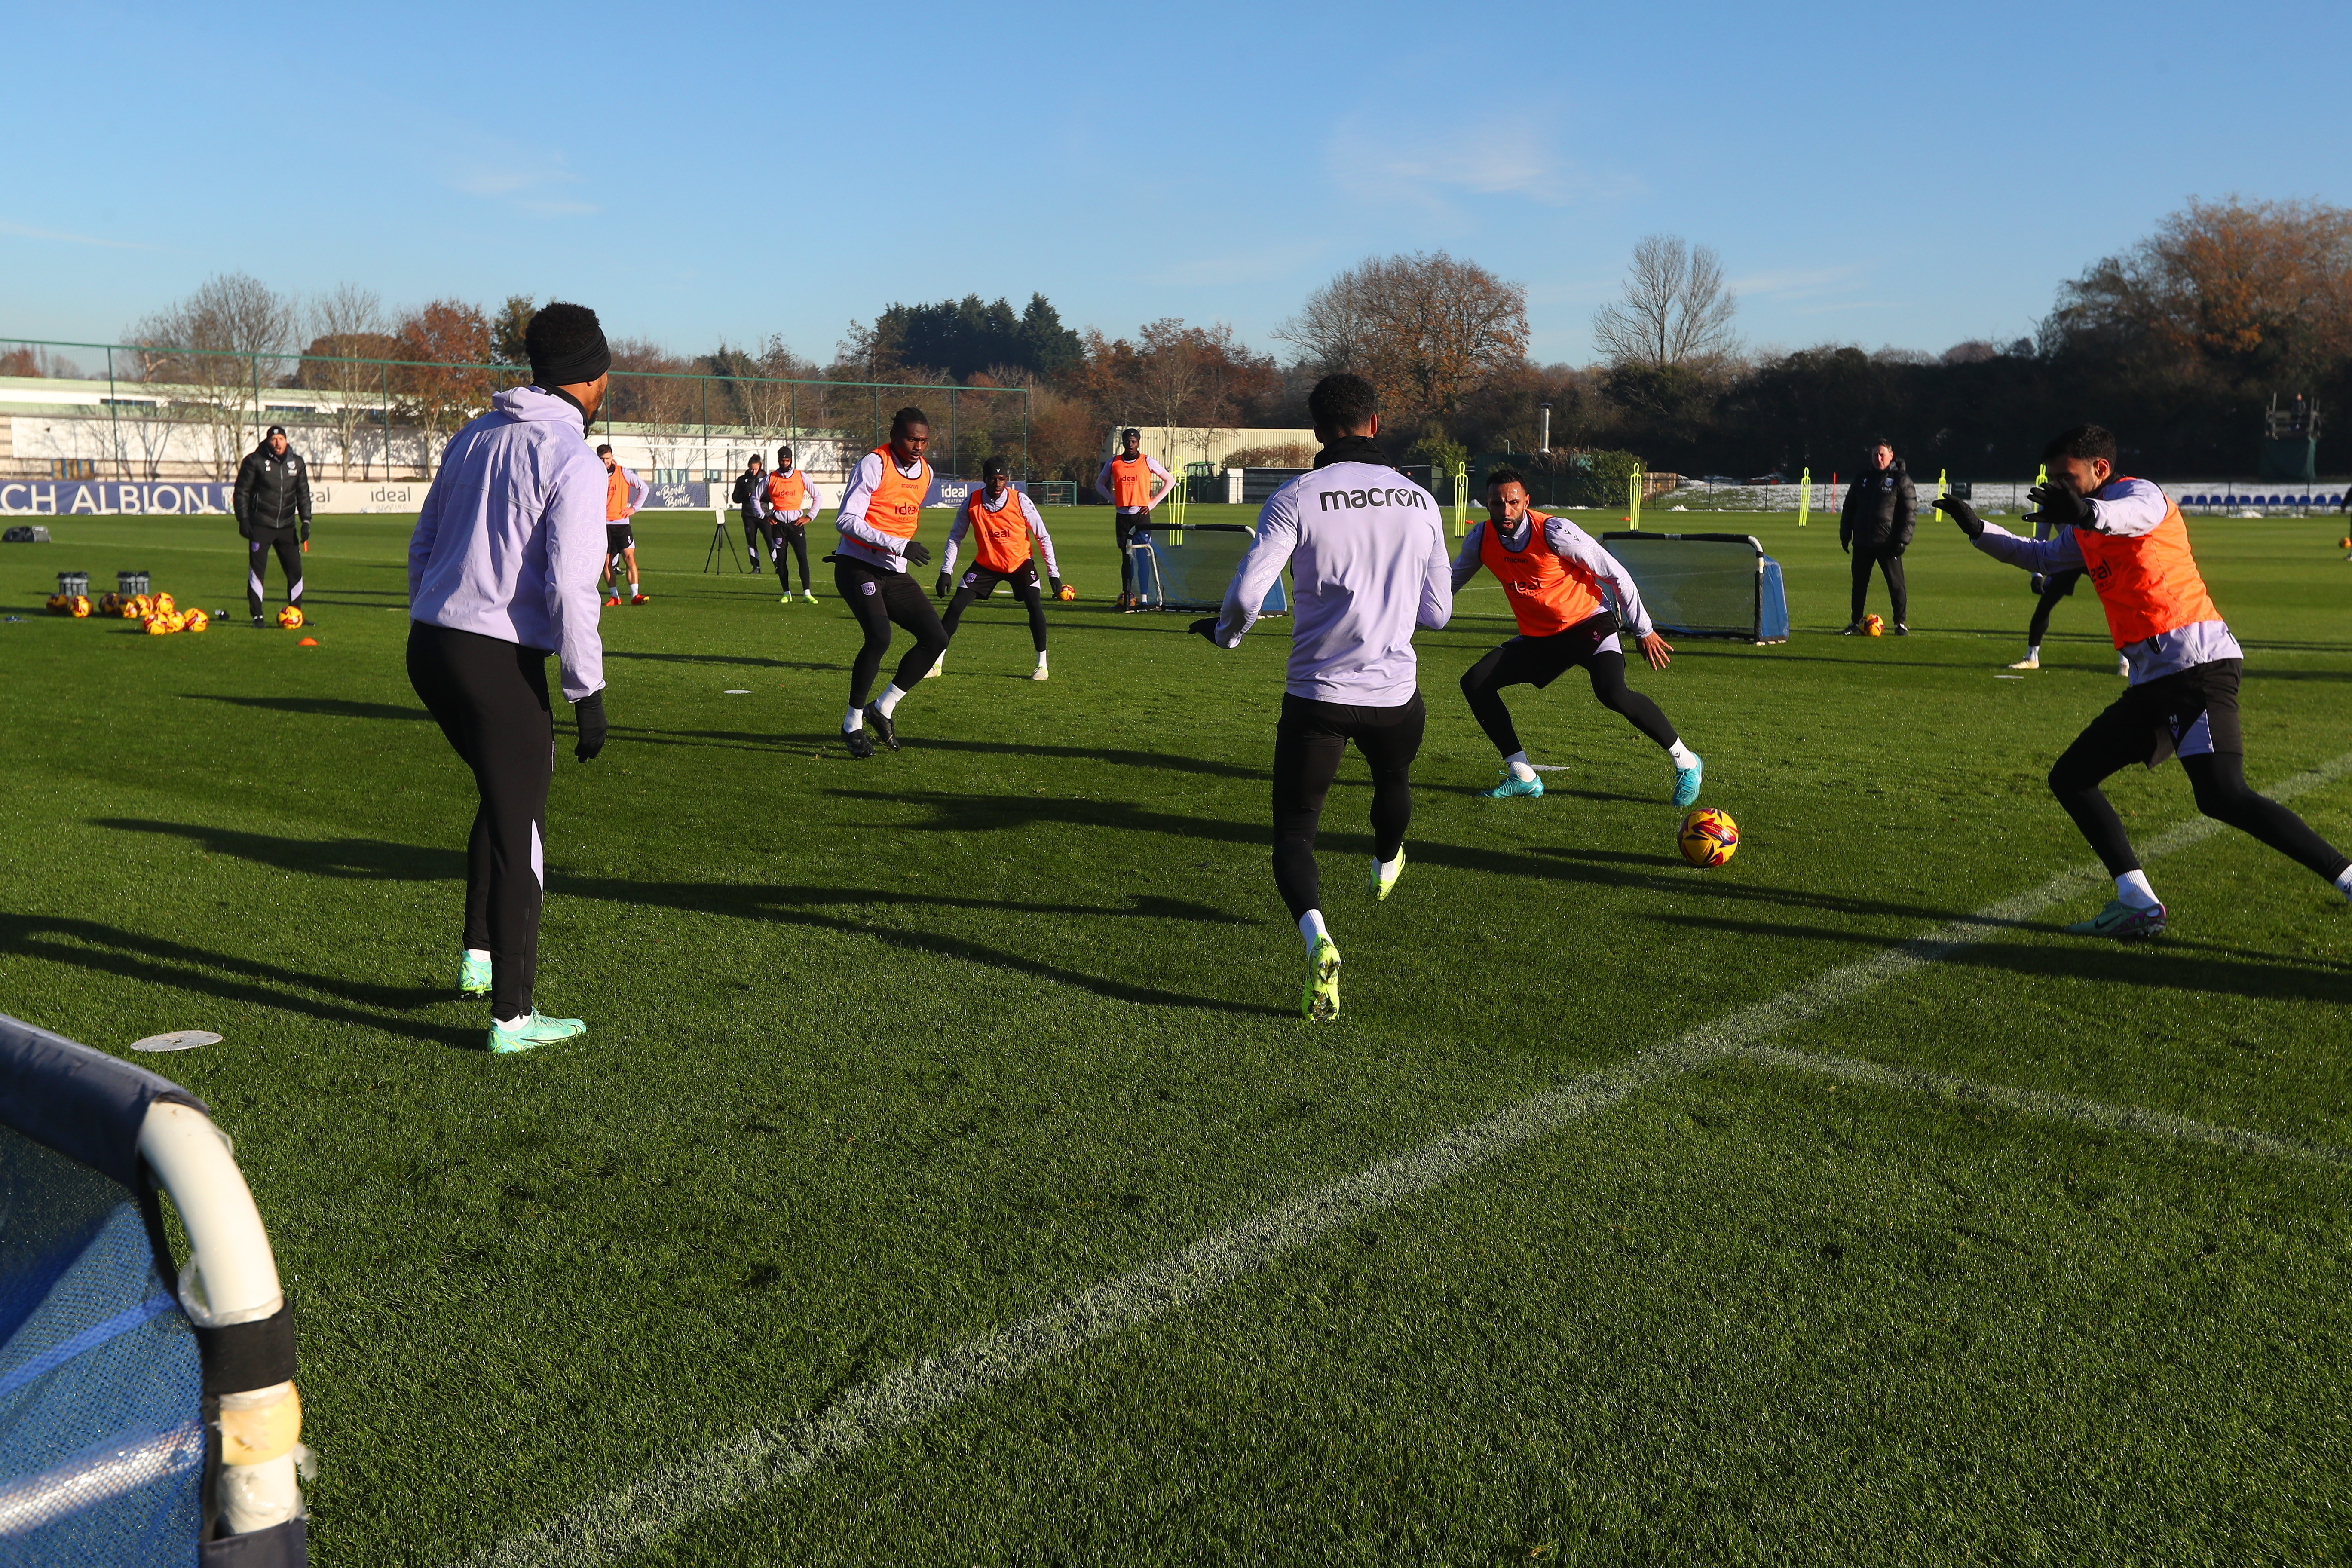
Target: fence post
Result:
[[114, 415], [1804, 498], [955, 440]]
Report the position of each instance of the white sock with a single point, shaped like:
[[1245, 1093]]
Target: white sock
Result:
[[2132, 888], [2034, 652], [1387, 867], [854, 721], [517, 1022], [1521, 769], [1310, 926], [1041, 659], [2345, 882], [478, 954], [888, 700], [1682, 755]]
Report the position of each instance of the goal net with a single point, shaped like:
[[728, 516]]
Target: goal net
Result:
[[1190, 568], [1706, 585]]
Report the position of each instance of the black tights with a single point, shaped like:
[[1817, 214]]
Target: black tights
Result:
[[878, 598], [490, 700], [2219, 779], [794, 537], [1308, 743], [2039, 627], [1890, 562], [1484, 681], [1024, 592]]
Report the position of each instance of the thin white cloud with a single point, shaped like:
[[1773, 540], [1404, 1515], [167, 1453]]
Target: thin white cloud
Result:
[[1254, 266], [26, 231], [1434, 164], [528, 179], [1794, 285]]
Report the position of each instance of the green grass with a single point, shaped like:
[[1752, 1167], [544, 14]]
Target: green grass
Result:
[[886, 1056]]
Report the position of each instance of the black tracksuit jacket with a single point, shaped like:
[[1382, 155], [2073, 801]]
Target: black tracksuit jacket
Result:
[[1879, 511], [273, 490]]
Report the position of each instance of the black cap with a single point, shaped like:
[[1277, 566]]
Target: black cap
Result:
[[276, 430]]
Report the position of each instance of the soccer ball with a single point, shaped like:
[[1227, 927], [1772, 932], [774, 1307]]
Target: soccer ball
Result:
[[1874, 626], [137, 607], [79, 608], [161, 625], [1708, 836], [163, 605], [1068, 594], [195, 621], [59, 605], [111, 605], [290, 616]]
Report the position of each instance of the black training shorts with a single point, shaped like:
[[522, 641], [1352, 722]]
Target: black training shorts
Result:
[[2191, 713], [981, 582], [617, 538], [1539, 661]]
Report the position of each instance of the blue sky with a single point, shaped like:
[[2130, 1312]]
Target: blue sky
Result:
[[1880, 174]]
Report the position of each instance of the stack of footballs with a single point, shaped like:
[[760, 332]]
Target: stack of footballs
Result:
[[155, 612]]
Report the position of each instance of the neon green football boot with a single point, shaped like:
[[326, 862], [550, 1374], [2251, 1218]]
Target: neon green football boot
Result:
[[1320, 1002], [532, 1032], [473, 974], [1382, 887]]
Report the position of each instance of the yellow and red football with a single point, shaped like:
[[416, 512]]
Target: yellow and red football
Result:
[[1708, 836], [290, 616]]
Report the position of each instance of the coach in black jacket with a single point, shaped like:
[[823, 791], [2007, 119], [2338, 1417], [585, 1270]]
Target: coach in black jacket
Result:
[[1875, 526], [273, 497]]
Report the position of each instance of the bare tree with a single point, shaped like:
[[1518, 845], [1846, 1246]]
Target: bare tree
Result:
[[346, 324], [221, 343], [1423, 329], [1677, 311]]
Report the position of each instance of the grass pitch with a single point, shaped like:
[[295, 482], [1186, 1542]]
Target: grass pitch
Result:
[[889, 1056]]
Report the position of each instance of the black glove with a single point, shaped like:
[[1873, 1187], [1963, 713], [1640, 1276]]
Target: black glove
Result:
[[306, 531], [2035, 582], [939, 590], [2060, 506], [1961, 513], [1206, 627], [918, 553], [1846, 544], [589, 714], [1056, 583]]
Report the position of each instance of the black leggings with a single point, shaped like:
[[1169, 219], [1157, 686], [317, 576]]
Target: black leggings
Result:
[[1023, 589], [1308, 743], [793, 536], [1890, 562], [2054, 589], [752, 528], [878, 598], [490, 700], [2219, 779], [288, 542], [1524, 661]]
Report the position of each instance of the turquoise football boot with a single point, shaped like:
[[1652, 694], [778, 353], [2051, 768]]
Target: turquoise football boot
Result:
[[2120, 920], [473, 974], [1686, 782], [532, 1033], [1514, 788]]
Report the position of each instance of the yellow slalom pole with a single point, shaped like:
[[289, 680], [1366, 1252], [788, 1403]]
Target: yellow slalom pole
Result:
[[1805, 498], [1461, 500], [1943, 476], [1180, 495], [1633, 498]]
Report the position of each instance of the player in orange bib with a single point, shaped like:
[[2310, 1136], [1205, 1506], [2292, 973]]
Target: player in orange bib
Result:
[[1558, 582], [1135, 482], [1002, 522], [880, 510], [2130, 540], [624, 493], [793, 504]]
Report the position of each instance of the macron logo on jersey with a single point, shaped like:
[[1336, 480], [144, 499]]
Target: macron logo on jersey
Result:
[[1391, 495]]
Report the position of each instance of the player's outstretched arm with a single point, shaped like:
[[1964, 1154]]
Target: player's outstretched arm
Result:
[[2041, 555], [1261, 563], [1468, 560]]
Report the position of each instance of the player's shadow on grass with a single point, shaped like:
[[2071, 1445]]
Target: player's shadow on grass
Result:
[[730, 659], [2158, 964], [377, 861], [321, 706], [156, 961], [806, 740]]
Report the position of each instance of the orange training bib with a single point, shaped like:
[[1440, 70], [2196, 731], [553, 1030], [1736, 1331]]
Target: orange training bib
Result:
[[2147, 585], [1000, 540], [897, 503], [1130, 483], [1546, 595]]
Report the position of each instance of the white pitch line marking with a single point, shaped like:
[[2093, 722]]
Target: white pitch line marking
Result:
[[633, 1517]]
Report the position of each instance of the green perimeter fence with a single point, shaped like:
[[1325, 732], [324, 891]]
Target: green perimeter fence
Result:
[[153, 411]]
